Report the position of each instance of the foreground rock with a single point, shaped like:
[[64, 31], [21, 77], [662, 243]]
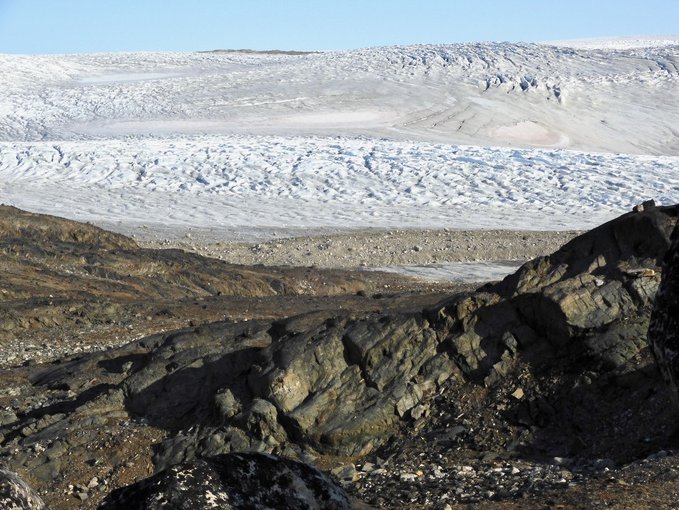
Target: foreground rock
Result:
[[492, 386], [238, 481], [664, 330], [15, 494]]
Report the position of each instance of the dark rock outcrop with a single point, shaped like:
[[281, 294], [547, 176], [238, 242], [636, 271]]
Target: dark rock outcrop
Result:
[[335, 383], [15, 494], [664, 329], [238, 481], [597, 291]]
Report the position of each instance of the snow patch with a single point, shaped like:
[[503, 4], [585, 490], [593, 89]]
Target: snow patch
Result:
[[457, 271]]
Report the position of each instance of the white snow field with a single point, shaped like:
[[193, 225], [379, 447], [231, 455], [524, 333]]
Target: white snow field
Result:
[[494, 135], [266, 182], [479, 94]]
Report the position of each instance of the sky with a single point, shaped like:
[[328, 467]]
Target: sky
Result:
[[85, 26]]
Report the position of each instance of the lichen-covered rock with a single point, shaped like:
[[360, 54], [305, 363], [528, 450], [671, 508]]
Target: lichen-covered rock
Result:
[[664, 328], [242, 481], [15, 494]]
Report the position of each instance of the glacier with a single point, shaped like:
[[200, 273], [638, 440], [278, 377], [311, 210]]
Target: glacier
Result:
[[486, 135]]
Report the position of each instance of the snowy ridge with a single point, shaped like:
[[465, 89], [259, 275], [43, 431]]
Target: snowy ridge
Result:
[[483, 94], [242, 182], [618, 43]]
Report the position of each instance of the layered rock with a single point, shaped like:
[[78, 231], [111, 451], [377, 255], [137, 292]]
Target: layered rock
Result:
[[342, 384]]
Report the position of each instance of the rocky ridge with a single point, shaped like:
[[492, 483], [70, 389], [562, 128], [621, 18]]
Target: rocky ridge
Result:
[[533, 389], [92, 289]]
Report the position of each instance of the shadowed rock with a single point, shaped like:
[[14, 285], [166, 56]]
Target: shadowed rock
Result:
[[243, 481], [664, 329]]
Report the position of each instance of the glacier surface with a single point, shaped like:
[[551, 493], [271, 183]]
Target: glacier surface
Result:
[[491, 135]]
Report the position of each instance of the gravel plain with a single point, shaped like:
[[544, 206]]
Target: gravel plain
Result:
[[369, 248]]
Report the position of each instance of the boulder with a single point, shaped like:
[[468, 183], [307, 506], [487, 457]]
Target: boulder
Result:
[[238, 481], [15, 494]]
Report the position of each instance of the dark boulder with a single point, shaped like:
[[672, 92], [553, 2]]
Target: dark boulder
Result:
[[238, 481]]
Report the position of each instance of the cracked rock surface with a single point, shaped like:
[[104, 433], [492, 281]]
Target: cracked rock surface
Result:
[[537, 390]]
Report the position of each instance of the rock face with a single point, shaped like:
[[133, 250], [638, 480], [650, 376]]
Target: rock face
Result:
[[238, 481], [664, 330], [333, 383], [341, 385], [598, 289], [15, 494]]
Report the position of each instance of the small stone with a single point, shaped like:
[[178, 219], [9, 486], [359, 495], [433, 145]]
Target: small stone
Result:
[[7, 416], [82, 496], [490, 457], [346, 473], [226, 404], [518, 394], [408, 477], [438, 473], [368, 467]]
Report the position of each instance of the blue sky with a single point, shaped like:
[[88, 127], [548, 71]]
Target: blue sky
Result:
[[77, 26]]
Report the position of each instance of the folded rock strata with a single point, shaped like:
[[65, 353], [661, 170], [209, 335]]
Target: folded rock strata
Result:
[[340, 384]]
